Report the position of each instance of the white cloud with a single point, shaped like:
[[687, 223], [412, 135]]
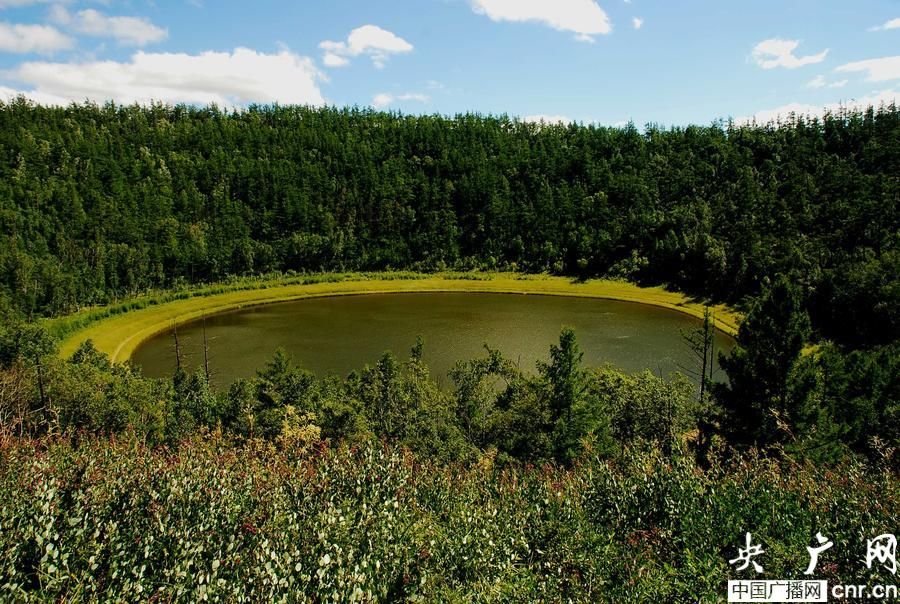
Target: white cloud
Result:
[[135, 31], [7, 93], [817, 82], [371, 40], [584, 18], [42, 39], [547, 119], [384, 99], [637, 22], [775, 52], [877, 70], [784, 111], [225, 78], [333, 60], [820, 82], [885, 97], [892, 24], [20, 3]]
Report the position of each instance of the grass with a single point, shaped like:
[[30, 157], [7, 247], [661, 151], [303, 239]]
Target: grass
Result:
[[118, 330]]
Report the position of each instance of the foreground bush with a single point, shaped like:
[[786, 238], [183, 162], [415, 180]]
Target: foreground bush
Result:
[[94, 519]]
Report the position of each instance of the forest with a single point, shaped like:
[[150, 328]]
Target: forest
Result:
[[104, 202], [797, 224]]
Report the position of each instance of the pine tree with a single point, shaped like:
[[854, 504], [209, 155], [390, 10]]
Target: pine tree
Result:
[[568, 383], [759, 406]]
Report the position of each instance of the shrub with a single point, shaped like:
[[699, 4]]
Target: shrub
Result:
[[111, 519]]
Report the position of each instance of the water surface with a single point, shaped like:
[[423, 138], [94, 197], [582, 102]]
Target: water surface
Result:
[[337, 335]]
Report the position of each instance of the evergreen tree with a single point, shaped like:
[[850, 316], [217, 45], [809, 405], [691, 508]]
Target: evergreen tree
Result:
[[759, 406], [567, 382]]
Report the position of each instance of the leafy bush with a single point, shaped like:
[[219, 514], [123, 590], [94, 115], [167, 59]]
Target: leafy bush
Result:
[[97, 519]]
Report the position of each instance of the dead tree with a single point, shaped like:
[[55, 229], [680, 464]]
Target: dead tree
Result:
[[177, 346], [205, 353], [701, 342]]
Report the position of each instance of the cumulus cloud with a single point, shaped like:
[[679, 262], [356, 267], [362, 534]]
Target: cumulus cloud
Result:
[[885, 97], [817, 82], [637, 22], [370, 40], [21, 3], [776, 52], [41, 39], [877, 70], [42, 98], [134, 31], [547, 119], [333, 60], [584, 18], [384, 99], [892, 24], [821, 82], [225, 78]]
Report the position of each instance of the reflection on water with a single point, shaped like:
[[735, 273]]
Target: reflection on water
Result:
[[338, 335]]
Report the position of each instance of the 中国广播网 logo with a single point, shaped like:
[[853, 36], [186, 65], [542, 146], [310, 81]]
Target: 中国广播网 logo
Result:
[[881, 553]]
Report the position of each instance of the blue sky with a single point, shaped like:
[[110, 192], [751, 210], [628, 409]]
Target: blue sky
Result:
[[604, 61]]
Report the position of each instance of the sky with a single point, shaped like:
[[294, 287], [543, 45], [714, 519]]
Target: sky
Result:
[[608, 62]]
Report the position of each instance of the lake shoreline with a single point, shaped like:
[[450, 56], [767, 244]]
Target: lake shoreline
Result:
[[122, 331]]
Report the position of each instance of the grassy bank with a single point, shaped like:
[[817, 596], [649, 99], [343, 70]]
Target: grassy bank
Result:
[[118, 330]]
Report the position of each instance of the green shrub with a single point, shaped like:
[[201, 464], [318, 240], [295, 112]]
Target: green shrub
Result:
[[99, 519]]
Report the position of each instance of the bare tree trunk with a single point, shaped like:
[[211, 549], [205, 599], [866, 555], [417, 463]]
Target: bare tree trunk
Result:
[[205, 352], [712, 346], [706, 344], [177, 346], [701, 342], [40, 378]]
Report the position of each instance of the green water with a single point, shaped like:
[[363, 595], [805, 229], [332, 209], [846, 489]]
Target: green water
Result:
[[340, 334]]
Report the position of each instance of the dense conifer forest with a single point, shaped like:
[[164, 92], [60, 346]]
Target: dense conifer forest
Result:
[[99, 202], [796, 224]]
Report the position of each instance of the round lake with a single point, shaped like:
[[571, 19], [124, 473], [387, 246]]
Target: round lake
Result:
[[336, 335]]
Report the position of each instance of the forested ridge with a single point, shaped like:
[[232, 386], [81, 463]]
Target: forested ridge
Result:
[[103, 202]]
